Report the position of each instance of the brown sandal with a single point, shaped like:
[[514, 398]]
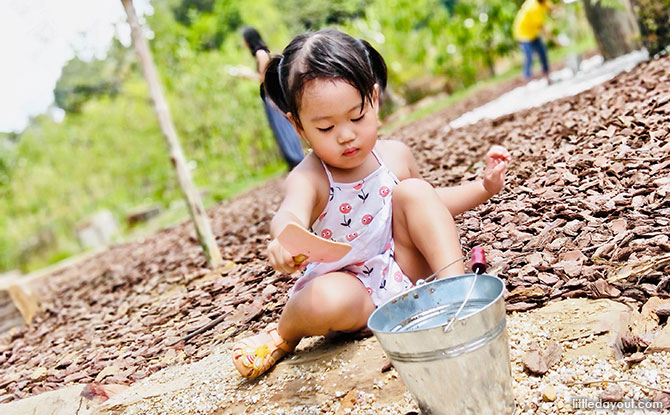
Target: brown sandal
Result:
[[252, 361]]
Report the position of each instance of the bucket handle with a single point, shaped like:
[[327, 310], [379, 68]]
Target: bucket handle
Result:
[[478, 266]]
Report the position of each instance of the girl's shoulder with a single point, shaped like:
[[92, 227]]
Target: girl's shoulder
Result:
[[309, 169], [397, 156], [308, 180], [309, 176]]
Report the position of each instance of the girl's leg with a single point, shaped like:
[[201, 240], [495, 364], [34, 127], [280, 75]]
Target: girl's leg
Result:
[[424, 232], [337, 301], [332, 302], [527, 49]]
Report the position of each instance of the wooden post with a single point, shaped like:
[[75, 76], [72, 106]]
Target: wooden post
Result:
[[193, 199]]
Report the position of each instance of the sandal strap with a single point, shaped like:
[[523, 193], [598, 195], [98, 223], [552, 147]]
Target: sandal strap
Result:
[[279, 341]]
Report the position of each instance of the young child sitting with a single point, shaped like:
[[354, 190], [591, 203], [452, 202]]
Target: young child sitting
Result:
[[356, 189]]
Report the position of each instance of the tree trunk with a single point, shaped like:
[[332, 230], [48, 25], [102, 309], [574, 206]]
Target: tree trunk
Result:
[[189, 190], [615, 29]]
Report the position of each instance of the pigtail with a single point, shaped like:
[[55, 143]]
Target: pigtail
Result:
[[273, 86], [377, 64]]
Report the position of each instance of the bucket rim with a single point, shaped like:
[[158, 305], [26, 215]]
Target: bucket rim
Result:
[[426, 285]]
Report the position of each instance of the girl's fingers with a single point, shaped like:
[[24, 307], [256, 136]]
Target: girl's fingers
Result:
[[499, 152]]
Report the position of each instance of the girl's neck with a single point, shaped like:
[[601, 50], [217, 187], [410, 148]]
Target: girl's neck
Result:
[[357, 173]]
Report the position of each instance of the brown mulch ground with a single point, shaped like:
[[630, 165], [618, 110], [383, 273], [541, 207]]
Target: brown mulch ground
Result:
[[589, 189]]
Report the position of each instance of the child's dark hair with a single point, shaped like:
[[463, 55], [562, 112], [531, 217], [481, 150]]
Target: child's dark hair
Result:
[[328, 54]]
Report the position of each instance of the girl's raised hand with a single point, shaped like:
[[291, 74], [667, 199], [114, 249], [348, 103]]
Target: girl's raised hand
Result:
[[496, 166]]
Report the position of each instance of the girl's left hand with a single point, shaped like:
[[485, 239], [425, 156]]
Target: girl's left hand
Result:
[[496, 166]]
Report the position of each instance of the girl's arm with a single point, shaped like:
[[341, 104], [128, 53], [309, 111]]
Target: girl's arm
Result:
[[297, 207], [298, 203], [461, 198]]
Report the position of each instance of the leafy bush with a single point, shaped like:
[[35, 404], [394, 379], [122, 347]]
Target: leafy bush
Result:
[[654, 19]]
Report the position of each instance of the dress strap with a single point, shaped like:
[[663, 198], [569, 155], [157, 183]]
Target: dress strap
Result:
[[379, 159]]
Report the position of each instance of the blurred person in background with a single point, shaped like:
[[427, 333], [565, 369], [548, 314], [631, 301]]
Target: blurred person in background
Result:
[[527, 28], [287, 138]]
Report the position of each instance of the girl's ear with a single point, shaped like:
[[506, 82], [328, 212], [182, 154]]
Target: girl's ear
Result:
[[375, 98]]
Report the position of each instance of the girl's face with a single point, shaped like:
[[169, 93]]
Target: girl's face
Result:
[[333, 124]]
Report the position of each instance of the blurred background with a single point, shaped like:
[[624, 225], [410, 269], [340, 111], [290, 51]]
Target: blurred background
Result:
[[79, 140]]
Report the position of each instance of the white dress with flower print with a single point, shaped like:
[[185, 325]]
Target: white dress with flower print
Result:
[[360, 214]]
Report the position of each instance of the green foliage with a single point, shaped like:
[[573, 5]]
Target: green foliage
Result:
[[654, 19], [459, 41], [609, 4], [185, 10], [208, 21], [315, 14], [7, 163], [80, 80]]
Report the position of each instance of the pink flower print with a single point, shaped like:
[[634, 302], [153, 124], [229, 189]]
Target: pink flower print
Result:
[[358, 186], [326, 233], [387, 247], [397, 276], [352, 236], [323, 215], [384, 271], [365, 220], [345, 208], [360, 264], [370, 291], [384, 191]]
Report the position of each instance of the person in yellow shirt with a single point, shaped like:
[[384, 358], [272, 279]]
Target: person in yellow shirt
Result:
[[527, 27]]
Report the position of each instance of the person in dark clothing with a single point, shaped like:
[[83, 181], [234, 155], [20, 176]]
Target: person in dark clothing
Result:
[[287, 138]]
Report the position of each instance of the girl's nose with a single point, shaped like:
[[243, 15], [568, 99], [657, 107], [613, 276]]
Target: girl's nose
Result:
[[346, 135]]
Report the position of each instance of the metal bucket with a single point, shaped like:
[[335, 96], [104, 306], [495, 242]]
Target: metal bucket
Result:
[[463, 371]]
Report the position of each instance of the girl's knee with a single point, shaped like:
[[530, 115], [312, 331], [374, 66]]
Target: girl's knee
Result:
[[412, 189], [336, 297]]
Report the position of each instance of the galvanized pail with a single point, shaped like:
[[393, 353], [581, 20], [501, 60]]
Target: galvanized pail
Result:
[[465, 370]]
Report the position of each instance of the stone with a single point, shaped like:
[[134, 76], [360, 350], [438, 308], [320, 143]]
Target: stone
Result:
[[612, 393], [65, 401], [534, 363], [661, 342], [663, 310], [636, 357], [552, 353], [647, 320], [97, 231], [549, 394], [578, 318], [142, 214]]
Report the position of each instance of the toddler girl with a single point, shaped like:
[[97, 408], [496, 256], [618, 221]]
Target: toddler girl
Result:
[[353, 188]]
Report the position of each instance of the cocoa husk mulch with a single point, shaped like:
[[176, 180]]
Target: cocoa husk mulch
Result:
[[585, 213]]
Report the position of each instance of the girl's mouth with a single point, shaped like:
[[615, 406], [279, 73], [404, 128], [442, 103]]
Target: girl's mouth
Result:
[[350, 152]]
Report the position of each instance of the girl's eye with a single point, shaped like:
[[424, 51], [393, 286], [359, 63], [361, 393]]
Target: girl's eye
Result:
[[323, 130], [359, 118]]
